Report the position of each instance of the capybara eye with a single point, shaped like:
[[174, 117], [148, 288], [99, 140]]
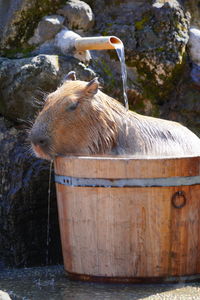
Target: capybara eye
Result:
[[72, 106]]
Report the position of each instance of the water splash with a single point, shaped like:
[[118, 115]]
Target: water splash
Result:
[[119, 47], [48, 213]]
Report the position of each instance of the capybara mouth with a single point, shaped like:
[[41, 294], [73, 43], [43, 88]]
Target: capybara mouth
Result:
[[40, 153]]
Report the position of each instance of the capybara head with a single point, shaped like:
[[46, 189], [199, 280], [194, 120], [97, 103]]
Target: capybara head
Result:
[[76, 119]]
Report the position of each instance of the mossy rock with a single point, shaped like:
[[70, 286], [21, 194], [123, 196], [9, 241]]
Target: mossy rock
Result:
[[24, 82], [155, 39], [193, 6], [20, 21]]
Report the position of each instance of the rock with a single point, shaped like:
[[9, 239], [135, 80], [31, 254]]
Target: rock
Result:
[[24, 82], [194, 45], [24, 178], [23, 203], [20, 82], [194, 51], [193, 7], [18, 21], [4, 296], [65, 40], [47, 28], [47, 47], [184, 105], [78, 15], [195, 74], [171, 3], [155, 38]]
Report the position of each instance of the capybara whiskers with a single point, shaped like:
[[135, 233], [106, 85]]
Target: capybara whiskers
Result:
[[78, 118]]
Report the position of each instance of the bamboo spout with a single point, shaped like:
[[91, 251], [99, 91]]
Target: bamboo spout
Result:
[[97, 43]]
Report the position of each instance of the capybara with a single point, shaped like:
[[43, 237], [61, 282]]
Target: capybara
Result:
[[78, 118]]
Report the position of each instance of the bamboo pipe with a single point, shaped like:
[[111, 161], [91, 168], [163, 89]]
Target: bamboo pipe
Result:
[[97, 43]]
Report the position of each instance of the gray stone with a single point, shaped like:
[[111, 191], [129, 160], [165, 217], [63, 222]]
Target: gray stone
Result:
[[4, 296], [47, 28], [24, 178], [155, 38], [184, 105], [194, 45], [18, 21], [20, 83], [47, 47], [24, 81], [23, 202], [193, 7], [78, 15]]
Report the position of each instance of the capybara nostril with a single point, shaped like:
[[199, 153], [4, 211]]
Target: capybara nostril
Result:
[[78, 118], [41, 141]]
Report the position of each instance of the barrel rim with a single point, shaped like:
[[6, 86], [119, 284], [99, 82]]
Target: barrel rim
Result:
[[127, 157]]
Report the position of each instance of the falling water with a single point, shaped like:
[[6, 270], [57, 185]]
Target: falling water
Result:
[[119, 47], [48, 212]]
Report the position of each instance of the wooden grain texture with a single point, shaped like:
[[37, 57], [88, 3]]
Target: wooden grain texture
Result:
[[129, 232], [185, 234], [111, 167]]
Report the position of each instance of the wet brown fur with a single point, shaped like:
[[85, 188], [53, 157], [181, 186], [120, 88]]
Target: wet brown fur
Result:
[[99, 124]]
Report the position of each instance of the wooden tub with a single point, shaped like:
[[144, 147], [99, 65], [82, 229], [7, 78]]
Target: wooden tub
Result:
[[126, 219]]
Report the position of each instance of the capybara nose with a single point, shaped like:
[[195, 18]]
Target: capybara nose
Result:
[[41, 141]]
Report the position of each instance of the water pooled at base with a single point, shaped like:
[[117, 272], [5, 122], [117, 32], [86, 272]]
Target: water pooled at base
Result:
[[120, 52]]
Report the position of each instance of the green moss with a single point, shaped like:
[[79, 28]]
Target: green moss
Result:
[[139, 106], [104, 33], [151, 90], [109, 74], [160, 49], [139, 25], [10, 53], [25, 23]]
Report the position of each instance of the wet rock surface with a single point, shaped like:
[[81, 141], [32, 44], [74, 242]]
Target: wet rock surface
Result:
[[52, 283], [23, 203]]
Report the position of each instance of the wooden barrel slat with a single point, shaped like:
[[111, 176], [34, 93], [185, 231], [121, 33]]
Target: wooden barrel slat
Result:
[[129, 232], [101, 167]]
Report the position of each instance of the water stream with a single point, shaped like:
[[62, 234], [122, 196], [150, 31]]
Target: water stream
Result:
[[121, 55], [48, 213]]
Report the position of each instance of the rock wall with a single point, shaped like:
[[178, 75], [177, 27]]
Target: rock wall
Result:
[[19, 18], [36, 44], [25, 179], [23, 203]]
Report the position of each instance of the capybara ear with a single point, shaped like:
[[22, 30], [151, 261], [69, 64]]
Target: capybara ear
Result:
[[92, 87], [70, 76]]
